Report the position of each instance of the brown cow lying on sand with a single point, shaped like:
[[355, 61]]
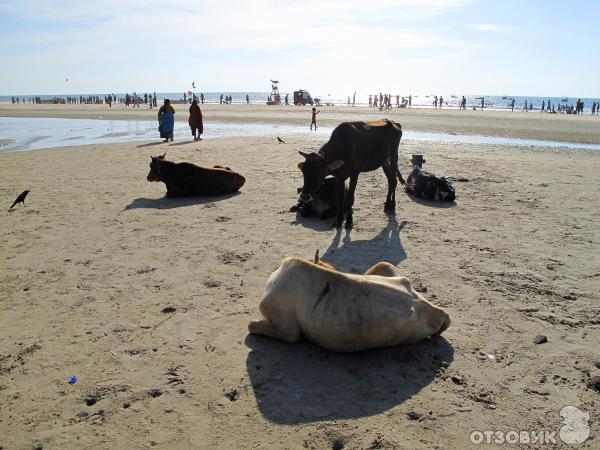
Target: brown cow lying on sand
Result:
[[188, 180], [345, 312]]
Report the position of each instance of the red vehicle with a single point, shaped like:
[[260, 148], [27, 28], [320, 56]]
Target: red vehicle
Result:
[[302, 97]]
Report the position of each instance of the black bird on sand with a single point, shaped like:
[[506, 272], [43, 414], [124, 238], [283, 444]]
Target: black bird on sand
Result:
[[20, 199], [281, 141]]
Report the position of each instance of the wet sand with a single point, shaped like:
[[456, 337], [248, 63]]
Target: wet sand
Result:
[[91, 262], [533, 125]]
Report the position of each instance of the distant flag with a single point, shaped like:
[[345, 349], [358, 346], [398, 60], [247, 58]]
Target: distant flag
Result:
[[194, 84]]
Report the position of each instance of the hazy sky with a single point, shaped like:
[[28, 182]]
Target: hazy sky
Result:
[[514, 47]]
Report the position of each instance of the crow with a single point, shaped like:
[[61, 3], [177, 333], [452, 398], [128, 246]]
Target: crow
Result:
[[281, 141], [20, 199]]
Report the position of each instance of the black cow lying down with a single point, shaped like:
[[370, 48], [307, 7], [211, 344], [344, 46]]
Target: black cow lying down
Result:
[[426, 185], [323, 202], [188, 180]]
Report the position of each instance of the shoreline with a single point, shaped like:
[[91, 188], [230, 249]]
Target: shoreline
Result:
[[521, 125], [46, 133]]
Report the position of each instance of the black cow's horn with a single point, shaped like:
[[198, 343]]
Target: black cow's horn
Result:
[[303, 154], [317, 256]]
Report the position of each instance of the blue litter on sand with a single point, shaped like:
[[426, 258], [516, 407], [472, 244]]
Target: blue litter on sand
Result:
[[73, 380]]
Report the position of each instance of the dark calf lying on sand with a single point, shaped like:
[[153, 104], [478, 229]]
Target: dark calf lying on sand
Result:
[[323, 202], [188, 180]]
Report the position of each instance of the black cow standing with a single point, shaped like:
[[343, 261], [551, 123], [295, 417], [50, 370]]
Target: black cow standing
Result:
[[354, 147]]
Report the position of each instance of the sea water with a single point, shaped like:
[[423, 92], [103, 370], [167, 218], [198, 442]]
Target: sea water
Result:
[[38, 133]]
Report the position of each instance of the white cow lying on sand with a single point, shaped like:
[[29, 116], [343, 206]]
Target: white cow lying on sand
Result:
[[345, 312]]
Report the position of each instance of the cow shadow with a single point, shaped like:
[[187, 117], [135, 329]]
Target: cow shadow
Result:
[[360, 255], [302, 383], [170, 203], [431, 203], [313, 222]]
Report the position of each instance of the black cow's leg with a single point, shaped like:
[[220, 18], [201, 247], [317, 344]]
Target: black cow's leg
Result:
[[390, 200], [339, 206], [352, 188]]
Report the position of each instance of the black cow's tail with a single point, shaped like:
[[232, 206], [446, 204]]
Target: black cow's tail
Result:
[[398, 128], [400, 177]]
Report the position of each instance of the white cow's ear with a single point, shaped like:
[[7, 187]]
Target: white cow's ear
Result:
[[300, 165], [336, 165]]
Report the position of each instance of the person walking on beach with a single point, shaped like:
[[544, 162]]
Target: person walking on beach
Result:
[[441, 101], [543, 106], [525, 108], [109, 101], [512, 105], [354, 100], [370, 100], [410, 101], [314, 118], [482, 102], [166, 120], [195, 120]]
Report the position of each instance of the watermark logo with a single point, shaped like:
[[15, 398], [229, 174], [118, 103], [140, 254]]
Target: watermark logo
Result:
[[575, 430]]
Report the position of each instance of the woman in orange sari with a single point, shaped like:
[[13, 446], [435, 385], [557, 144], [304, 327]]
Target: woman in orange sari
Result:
[[195, 120]]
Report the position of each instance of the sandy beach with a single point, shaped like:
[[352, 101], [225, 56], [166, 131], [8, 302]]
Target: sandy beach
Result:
[[91, 262]]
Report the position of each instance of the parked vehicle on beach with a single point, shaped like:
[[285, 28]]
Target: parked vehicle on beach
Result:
[[302, 97]]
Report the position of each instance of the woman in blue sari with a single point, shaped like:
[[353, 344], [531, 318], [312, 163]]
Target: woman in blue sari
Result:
[[166, 120]]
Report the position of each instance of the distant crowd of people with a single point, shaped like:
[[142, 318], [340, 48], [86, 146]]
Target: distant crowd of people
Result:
[[384, 101], [381, 101], [549, 108], [89, 100]]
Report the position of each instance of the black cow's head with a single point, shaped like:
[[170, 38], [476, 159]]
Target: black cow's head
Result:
[[155, 173], [314, 170]]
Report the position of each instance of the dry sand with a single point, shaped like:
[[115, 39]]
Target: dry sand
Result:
[[552, 127], [90, 263]]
